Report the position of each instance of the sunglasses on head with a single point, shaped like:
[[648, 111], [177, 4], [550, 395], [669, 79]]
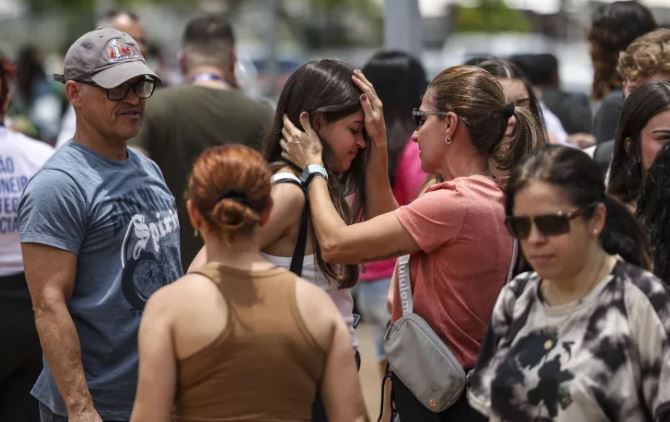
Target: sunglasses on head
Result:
[[420, 116], [548, 224]]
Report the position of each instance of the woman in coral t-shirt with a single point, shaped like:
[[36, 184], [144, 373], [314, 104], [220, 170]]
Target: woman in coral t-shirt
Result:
[[455, 232]]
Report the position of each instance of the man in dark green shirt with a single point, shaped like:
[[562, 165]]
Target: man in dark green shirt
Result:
[[208, 110]]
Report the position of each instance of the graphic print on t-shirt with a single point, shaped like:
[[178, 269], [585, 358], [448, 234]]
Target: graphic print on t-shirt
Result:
[[548, 391], [604, 357], [145, 256]]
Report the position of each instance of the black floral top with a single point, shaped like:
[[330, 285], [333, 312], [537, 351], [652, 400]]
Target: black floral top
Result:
[[603, 357]]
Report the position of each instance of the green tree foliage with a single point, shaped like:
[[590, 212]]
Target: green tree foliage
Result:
[[326, 26], [489, 16]]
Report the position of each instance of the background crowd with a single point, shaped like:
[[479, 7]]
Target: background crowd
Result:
[[535, 219]]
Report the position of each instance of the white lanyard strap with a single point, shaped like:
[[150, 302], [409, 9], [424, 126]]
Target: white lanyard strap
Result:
[[404, 286], [515, 253]]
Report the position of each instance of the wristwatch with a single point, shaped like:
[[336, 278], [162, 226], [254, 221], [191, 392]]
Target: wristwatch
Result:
[[312, 171]]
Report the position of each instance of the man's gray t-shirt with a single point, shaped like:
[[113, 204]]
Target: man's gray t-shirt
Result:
[[120, 220]]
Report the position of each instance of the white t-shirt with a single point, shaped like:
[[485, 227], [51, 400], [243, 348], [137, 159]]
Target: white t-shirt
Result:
[[20, 158]]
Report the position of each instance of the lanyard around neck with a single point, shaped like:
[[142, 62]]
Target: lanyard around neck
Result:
[[208, 77]]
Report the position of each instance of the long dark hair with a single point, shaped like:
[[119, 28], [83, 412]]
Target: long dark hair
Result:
[[627, 172], [581, 180], [653, 209], [503, 69], [400, 81], [324, 89], [613, 27], [477, 98]]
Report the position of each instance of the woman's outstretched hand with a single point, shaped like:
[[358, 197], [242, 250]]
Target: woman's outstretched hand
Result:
[[372, 108], [301, 147]]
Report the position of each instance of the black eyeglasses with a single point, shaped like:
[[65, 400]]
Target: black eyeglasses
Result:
[[144, 88], [420, 116], [548, 224]]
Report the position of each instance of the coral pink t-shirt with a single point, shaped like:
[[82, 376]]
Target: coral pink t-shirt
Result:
[[463, 262], [406, 186]]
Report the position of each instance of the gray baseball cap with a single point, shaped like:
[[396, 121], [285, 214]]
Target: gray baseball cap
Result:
[[106, 56]]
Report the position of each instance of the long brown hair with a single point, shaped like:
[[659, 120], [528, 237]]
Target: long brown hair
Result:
[[477, 98], [627, 172], [613, 27], [324, 89]]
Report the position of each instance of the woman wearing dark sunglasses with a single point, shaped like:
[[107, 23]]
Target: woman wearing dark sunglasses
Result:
[[585, 336], [455, 232]]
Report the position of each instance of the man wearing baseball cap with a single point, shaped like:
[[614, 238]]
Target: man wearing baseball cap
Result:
[[99, 235]]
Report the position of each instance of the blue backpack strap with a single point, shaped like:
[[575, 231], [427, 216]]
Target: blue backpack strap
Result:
[[301, 244]]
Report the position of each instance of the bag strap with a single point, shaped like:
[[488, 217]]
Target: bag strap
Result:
[[404, 285], [299, 252], [512, 264]]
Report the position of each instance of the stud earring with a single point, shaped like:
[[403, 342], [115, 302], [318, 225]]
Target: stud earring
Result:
[[448, 140], [195, 233]]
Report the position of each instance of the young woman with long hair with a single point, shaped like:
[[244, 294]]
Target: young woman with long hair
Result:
[[455, 233], [240, 338]]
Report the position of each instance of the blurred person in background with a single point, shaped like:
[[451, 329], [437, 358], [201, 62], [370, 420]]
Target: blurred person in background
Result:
[[119, 19], [36, 108], [646, 59], [241, 338], [613, 27], [644, 127], [518, 90], [516, 87], [20, 355], [182, 121], [653, 210], [400, 81], [585, 336], [125, 21], [455, 233], [572, 109]]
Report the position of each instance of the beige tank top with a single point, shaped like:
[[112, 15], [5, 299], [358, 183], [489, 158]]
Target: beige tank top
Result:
[[264, 366]]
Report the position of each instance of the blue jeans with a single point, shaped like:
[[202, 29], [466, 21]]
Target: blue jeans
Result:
[[371, 303], [46, 415]]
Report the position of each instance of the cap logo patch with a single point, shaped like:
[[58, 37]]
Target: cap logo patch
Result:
[[118, 50]]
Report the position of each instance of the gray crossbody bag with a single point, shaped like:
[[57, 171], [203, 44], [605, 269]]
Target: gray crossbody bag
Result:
[[418, 357]]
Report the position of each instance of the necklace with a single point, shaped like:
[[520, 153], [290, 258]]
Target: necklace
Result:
[[547, 290], [208, 77], [551, 336]]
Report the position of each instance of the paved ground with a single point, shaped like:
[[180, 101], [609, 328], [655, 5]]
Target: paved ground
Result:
[[369, 372]]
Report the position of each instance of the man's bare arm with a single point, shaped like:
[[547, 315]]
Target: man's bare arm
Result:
[[50, 273]]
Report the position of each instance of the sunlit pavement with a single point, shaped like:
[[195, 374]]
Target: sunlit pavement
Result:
[[369, 372]]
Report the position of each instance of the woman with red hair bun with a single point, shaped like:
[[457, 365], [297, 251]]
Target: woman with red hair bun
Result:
[[241, 338]]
